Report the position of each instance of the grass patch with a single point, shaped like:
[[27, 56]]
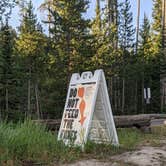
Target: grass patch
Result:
[[32, 143], [130, 138], [159, 130]]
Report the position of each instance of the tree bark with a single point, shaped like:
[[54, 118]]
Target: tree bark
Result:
[[29, 92], [135, 96], [37, 100], [137, 28], [115, 94], [142, 93], [7, 97], [123, 94]]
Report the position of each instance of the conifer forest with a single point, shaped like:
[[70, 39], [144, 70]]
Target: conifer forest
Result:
[[36, 64]]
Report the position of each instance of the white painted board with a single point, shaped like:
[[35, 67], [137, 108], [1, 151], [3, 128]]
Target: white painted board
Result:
[[87, 113]]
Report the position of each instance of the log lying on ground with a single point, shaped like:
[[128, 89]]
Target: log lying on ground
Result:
[[139, 121], [51, 124]]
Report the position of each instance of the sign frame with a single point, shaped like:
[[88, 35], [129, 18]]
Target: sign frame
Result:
[[95, 81]]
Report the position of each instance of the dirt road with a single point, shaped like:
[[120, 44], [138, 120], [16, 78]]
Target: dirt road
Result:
[[144, 156]]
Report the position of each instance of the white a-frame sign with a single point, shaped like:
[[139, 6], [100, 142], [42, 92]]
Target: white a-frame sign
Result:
[[87, 114]]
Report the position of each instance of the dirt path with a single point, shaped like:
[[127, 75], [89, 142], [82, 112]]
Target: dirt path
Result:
[[145, 156]]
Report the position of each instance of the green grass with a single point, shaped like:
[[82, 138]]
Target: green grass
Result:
[[29, 142], [159, 130]]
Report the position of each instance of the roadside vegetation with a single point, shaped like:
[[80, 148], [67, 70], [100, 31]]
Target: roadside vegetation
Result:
[[29, 143]]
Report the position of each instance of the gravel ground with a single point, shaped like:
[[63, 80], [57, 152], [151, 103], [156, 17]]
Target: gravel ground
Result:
[[145, 156]]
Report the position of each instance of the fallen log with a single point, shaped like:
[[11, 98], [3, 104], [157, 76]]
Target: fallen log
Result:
[[51, 124], [139, 121]]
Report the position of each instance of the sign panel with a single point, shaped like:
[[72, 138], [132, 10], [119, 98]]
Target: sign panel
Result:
[[147, 95], [87, 113]]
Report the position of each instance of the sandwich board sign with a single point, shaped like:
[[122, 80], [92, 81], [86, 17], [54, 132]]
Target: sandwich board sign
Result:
[[87, 113]]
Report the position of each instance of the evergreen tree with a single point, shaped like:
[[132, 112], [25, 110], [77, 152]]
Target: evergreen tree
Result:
[[157, 25], [126, 29], [126, 39], [69, 45], [144, 55], [31, 44], [145, 39], [6, 76], [96, 24], [157, 45]]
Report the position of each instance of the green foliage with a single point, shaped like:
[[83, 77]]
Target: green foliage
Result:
[[129, 138], [7, 36], [31, 142], [126, 30], [157, 25], [35, 68]]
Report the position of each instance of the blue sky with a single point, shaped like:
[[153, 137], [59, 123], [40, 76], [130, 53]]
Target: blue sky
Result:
[[146, 7]]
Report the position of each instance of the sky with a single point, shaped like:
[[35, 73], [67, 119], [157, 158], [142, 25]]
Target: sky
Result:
[[146, 7]]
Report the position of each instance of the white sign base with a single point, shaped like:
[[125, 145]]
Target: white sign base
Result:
[[87, 114]]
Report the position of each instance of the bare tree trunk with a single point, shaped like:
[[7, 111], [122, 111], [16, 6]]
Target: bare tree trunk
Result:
[[118, 94], [143, 93], [29, 92], [7, 97], [137, 28], [116, 24], [37, 100], [123, 94], [135, 98], [111, 88], [115, 93], [68, 38]]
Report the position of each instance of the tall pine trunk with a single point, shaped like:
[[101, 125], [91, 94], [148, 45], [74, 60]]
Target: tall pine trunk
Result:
[[137, 28], [142, 93], [29, 92], [69, 59], [7, 97], [135, 96], [123, 94], [37, 100]]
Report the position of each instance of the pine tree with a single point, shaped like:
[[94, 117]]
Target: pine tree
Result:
[[157, 25], [145, 38], [126, 29], [96, 24], [112, 20], [143, 56], [126, 39], [31, 45], [157, 44], [6, 49], [69, 45]]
